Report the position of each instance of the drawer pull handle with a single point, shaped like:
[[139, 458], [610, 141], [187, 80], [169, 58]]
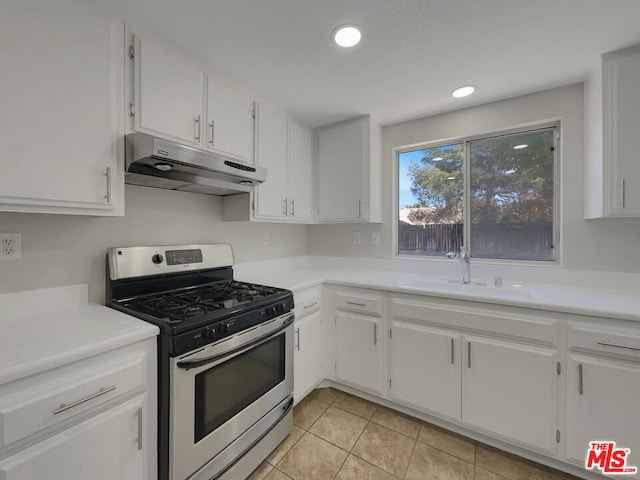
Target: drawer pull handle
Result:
[[580, 384], [605, 344], [298, 335], [468, 354], [356, 304], [103, 391], [375, 334], [312, 304]]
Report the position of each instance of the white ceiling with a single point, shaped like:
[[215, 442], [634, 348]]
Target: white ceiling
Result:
[[412, 55]]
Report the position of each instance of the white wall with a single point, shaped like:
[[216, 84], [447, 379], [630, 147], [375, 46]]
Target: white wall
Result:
[[604, 245], [65, 249]]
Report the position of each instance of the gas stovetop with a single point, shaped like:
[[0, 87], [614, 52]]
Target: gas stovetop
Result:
[[195, 304]]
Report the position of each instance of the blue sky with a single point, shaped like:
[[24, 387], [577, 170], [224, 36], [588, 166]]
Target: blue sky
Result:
[[405, 159]]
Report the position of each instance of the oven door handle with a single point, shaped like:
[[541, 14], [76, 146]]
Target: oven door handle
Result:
[[189, 364]]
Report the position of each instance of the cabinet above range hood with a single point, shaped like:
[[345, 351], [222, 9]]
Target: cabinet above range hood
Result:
[[159, 163]]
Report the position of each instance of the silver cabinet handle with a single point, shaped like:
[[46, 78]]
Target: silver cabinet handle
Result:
[[356, 304], [64, 407], [298, 335], [453, 360], [139, 414], [284, 207], [293, 207], [108, 175], [197, 127], [468, 354], [627, 347], [580, 384], [359, 208], [211, 133], [312, 304], [622, 199], [375, 334]]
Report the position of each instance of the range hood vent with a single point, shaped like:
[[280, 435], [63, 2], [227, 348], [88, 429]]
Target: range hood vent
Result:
[[159, 163]]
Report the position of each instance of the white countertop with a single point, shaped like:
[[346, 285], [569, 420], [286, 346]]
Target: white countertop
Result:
[[577, 299], [46, 328]]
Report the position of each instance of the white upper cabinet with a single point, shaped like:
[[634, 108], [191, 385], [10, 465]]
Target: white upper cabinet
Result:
[[62, 115], [271, 153], [350, 172], [612, 120], [174, 98], [283, 147], [229, 120], [168, 93]]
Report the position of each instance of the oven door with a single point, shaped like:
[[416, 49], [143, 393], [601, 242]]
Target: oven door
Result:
[[218, 392]]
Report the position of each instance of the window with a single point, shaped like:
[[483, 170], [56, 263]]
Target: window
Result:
[[495, 195]]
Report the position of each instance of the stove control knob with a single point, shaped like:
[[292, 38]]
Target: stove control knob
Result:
[[280, 308], [271, 311], [208, 333], [157, 259], [223, 328]]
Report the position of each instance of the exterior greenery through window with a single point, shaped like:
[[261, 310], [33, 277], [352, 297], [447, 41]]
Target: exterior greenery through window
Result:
[[495, 195]]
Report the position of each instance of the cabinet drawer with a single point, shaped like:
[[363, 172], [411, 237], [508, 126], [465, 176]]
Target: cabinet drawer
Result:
[[58, 397], [307, 301], [612, 339], [360, 302]]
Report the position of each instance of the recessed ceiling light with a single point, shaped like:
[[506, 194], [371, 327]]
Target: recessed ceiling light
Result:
[[521, 146], [436, 159], [347, 36], [463, 91]]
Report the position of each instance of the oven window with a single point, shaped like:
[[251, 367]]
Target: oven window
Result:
[[228, 388]]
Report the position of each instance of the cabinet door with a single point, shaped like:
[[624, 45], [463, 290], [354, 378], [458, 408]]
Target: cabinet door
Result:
[[229, 120], [62, 109], [622, 117], [271, 153], [168, 93], [603, 405], [359, 351], [341, 154], [307, 355], [299, 173], [510, 390], [105, 447], [425, 368]]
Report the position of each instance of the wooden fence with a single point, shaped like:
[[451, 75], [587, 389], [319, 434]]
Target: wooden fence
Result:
[[520, 241]]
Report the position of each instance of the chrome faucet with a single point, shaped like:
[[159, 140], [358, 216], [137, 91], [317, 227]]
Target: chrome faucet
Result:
[[465, 263]]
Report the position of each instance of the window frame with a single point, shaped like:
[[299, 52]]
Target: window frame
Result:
[[465, 140]]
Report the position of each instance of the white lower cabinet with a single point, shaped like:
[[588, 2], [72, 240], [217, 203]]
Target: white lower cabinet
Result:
[[602, 405], [307, 355], [360, 339], [510, 389], [425, 368], [105, 447]]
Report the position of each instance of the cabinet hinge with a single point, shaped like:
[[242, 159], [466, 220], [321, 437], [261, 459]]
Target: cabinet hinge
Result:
[[253, 204], [557, 436], [389, 383], [390, 334], [558, 368], [132, 110], [132, 52]]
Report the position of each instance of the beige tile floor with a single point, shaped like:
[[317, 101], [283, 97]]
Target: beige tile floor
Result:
[[337, 436]]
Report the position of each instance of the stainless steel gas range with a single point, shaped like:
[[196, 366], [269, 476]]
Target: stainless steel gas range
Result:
[[225, 357]]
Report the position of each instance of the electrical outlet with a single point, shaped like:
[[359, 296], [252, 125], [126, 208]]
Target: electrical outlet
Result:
[[265, 238], [10, 246], [356, 238], [375, 238]]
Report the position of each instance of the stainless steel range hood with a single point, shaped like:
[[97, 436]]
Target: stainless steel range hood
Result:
[[154, 162]]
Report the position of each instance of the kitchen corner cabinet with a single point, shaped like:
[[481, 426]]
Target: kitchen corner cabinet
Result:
[[174, 98], [94, 418], [283, 147], [360, 339], [349, 172], [612, 117], [308, 343], [62, 115]]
